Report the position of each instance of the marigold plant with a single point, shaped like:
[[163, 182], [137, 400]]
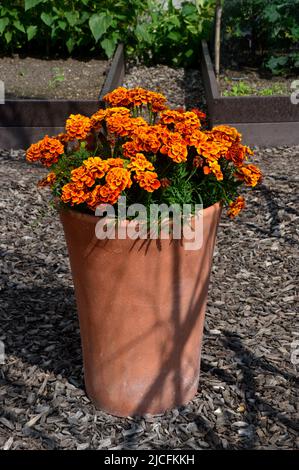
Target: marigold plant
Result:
[[139, 148]]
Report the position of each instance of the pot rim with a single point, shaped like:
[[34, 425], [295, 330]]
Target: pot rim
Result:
[[94, 219]]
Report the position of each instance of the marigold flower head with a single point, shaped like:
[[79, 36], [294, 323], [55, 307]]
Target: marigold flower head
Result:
[[236, 206], [226, 133], [147, 140], [175, 147], [97, 166], [215, 169], [148, 180], [97, 118], [83, 177], [118, 179], [118, 97], [140, 163], [171, 116], [78, 126], [201, 116], [130, 149], [102, 194], [112, 162], [47, 151], [237, 153], [209, 149], [121, 126], [250, 174], [73, 194]]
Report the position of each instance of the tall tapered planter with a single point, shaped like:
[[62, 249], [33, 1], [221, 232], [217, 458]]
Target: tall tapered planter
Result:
[[141, 308]]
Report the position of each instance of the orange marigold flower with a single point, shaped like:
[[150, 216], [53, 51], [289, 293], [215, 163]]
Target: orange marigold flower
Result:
[[140, 163], [73, 194], [82, 177], [250, 174], [235, 207], [138, 96], [175, 147], [195, 138], [209, 149], [215, 169], [147, 140], [97, 118], [148, 180], [49, 180], [199, 114], [171, 116], [118, 179], [130, 149], [47, 151], [78, 126], [118, 111], [112, 162], [102, 194], [226, 133], [119, 125], [97, 166], [237, 153], [118, 97]]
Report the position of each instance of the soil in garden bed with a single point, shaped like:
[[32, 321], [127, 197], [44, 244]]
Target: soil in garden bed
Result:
[[55, 79], [248, 81]]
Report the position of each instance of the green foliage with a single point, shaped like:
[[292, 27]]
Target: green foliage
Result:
[[152, 30], [172, 34], [239, 89], [267, 29], [243, 89]]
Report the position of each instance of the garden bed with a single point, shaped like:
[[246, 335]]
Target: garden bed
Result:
[[263, 120], [59, 89]]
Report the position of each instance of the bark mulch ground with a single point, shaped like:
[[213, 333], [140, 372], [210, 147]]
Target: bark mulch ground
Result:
[[31, 77], [247, 396]]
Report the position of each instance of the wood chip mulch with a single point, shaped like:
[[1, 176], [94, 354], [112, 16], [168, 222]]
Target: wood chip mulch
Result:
[[247, 397]]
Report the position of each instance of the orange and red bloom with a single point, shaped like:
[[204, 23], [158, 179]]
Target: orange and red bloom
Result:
[[137, 144]]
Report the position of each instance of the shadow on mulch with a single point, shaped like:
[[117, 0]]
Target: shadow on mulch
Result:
[[42, 328], [250, 365]]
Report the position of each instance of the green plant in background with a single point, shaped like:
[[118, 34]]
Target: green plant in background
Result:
[[243, 89], [276, 89], [267, 30], [153, 30], [239, 89], [172, 35]]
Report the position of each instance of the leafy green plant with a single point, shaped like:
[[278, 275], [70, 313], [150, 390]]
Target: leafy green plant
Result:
[[239, 89], [263, 32], [152, 30], [276, 89], [242, 89]]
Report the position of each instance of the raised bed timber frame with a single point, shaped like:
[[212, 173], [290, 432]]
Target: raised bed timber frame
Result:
[[23, 121], [265, 121]]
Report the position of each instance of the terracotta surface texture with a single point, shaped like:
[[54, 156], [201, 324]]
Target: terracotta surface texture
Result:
[[141, 306]]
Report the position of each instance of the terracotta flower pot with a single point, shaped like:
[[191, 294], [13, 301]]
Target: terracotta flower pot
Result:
[[141, 308]]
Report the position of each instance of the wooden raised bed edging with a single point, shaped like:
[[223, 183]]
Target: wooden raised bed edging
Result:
[[263, 120], [23, 121]]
